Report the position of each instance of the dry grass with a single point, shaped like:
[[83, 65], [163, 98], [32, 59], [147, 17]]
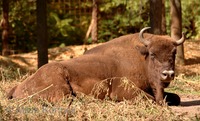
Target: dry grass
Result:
[[85, 108], [88, 108]]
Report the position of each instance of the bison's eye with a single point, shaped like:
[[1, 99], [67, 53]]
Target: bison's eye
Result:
[[152, 55]]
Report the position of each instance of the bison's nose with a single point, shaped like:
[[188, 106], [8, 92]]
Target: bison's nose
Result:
[[167, 74]]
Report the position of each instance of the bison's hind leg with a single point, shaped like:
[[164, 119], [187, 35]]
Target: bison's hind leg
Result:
[[10, 93], [59, 92], [172, 99]]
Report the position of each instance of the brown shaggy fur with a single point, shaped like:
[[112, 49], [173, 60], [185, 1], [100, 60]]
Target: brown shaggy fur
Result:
[[121, 57]]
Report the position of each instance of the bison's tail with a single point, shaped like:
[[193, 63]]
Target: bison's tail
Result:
[[10, 94]]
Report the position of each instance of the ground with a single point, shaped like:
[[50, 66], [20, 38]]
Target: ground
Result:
[[190, 100], [190, 104]]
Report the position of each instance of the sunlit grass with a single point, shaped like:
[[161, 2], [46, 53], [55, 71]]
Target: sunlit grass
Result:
[[185, 85], [85, 108]]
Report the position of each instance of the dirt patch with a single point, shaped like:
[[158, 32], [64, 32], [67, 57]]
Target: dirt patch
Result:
[[29, 60], [191, 49], [192, 59], [189, 107]]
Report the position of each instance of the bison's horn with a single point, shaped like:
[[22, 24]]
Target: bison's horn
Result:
[[180, 41], [141, 37]]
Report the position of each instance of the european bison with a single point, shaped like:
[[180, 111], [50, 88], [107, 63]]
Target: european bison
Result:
[[146, 61]]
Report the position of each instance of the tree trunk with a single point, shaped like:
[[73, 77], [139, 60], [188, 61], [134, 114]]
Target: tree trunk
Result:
[[156, 16], [42, 39], [88, 31], [176, 28], [163, 26], [5, 27], [94, 22]]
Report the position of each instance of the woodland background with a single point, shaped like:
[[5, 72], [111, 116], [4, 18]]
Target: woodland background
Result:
[[42, 24], [68, 21], [35, 32]]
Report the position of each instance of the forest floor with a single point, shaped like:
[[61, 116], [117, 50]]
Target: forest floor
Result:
[[190, 100], [190, 104]]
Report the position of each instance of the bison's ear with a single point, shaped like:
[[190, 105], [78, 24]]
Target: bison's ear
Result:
[[142, 49]]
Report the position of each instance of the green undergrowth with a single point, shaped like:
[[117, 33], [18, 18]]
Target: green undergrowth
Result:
[[185, 85]]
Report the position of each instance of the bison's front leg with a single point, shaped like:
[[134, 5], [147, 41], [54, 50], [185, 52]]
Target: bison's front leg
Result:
[[170, 98], [158, 91], [158, 94]]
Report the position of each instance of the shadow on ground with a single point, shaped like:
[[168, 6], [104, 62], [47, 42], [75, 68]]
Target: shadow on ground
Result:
[[190, 103], [192, 61]]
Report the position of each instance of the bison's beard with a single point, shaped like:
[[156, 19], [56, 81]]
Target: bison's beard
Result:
[[165, 84]]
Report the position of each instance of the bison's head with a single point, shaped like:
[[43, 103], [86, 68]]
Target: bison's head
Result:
[[160, 53]]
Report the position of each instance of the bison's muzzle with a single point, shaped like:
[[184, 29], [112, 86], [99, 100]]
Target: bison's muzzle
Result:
[[167, 75]]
